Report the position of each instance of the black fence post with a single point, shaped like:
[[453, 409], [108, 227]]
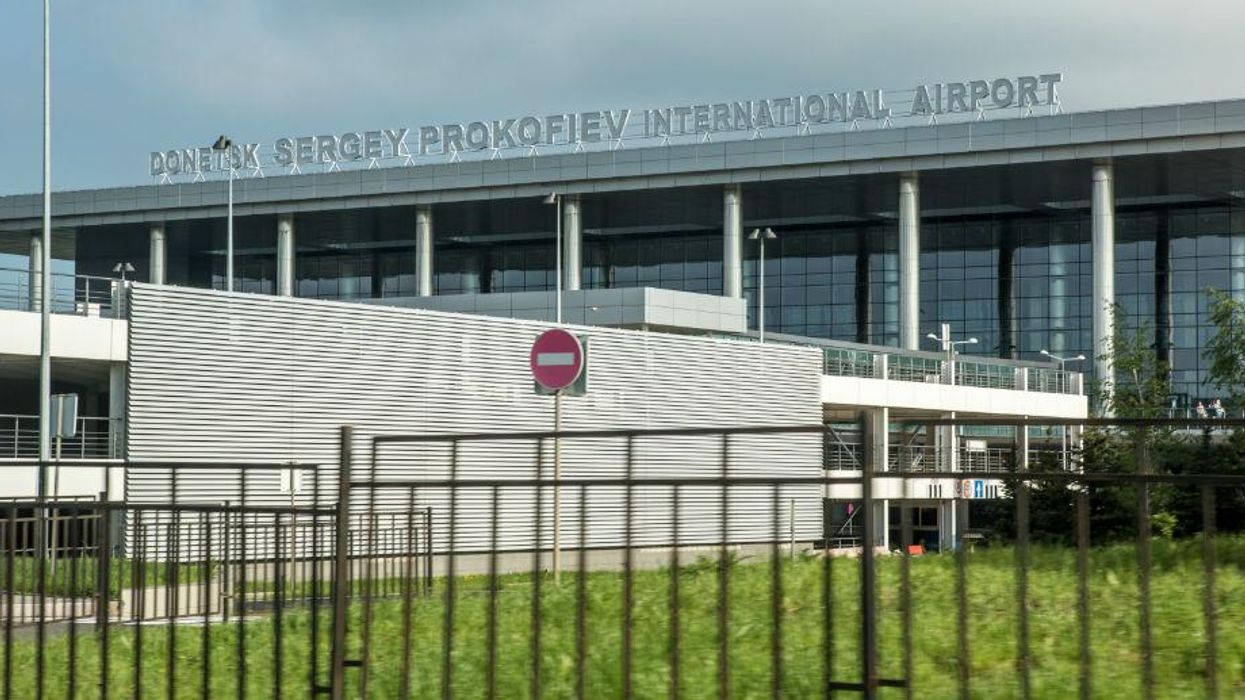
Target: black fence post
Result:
[[341, 566], [868, 573]]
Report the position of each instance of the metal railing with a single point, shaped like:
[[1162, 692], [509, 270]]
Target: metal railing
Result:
[[926, 368], [907, 368], [96, 438], [684, 600], [80, 295], [984, 374], [843, 362], [928, 458], [1052, 381]]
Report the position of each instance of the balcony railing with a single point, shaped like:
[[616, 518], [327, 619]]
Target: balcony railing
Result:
[[929, 369], [843, 362], [81, 295], [971, 460], [96, 438]]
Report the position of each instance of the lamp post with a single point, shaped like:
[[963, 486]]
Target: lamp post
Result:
[[948, 346], [760, 237], [556, 200], [225, 145], [950, 437], [1063, 430], [45, 322], [123, 268]]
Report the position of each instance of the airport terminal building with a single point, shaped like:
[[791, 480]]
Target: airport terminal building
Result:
[[1019, 226]]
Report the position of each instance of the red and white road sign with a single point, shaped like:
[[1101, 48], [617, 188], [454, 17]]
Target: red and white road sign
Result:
[[557, 359]]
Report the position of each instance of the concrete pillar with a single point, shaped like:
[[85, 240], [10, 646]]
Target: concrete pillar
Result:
[[472, 271], [732, 242], [909, 262], [1060, 275], [1103, 247], [285, 255], [949, 446], [948, 524], [423, 250], [35, 292], [882, 451], [157, 259], [1022, 447], [116, 409], [572, 243]]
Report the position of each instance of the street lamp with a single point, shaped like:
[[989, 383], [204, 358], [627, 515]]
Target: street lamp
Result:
[[123, 268], [760, 237], [225, 145], [556, 200], [1063, 430], [948, 346]]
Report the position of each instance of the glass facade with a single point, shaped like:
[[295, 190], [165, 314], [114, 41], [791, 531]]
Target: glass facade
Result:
[[1020, 281]]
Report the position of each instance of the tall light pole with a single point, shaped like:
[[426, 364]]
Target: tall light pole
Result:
[[950, 437], [225, 145], [556, 200], [123, 268], [761, 237], [45, 345], [1063, 430], [45, 296], [948, 346]]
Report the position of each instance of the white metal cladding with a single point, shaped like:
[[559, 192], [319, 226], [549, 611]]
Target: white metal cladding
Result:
[[217, 377]]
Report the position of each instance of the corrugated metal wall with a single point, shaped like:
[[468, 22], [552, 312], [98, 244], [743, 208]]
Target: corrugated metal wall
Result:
[[220, 378]]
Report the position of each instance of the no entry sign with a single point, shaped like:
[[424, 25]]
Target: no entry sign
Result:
[[557, 359]]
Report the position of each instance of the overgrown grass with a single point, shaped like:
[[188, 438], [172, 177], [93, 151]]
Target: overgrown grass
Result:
[[79, 576], [1177, 633]]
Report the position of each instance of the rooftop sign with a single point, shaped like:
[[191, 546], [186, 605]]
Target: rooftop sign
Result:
[[614, 128]]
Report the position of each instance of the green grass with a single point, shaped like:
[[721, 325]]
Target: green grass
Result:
[[1177, 630], [79, 576]]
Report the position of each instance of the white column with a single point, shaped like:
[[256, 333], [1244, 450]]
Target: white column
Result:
[[157, 259], [572, 243], [948, 522], [881, 452], [36, 272], [423, 250], [285, 255], [1060, 273], [948, 446], [1103, 216], [472, 271], [732, 242], [909, 262], [1022, 447], [116, 408]]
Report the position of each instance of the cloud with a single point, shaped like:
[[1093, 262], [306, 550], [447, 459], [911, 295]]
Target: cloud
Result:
[[134, 76]]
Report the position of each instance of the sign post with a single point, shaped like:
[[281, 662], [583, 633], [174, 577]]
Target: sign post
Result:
[[557, 363]]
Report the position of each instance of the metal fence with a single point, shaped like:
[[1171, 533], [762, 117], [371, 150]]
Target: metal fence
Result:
[[95, 438], [81, 295], [385, 582]]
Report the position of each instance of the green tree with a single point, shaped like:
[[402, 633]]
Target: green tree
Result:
[[1142, 379], [1226, 349]]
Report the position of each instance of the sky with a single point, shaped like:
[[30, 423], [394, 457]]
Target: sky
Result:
[[133, 76]]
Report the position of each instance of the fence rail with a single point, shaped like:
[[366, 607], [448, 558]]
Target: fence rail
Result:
[[80, 295], [389, 581], [95, 438]]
